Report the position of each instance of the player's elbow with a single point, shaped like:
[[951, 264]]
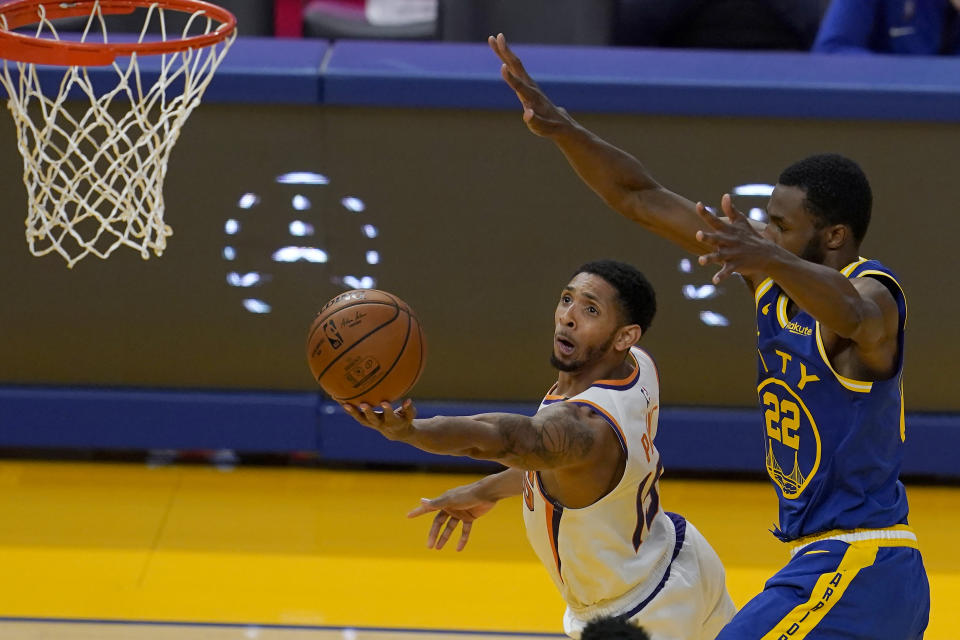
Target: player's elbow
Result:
[[863, 325], [870, 332]]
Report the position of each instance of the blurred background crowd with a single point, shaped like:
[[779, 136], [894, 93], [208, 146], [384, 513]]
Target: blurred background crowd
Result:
[[918, 27]]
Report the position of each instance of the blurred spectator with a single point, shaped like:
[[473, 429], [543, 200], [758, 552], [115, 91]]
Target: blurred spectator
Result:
[[400, 12], [587, 22], [918, 27], [362, 19], [719, 24], [612, 629]]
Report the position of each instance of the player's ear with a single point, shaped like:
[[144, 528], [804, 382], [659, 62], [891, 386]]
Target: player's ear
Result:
[[837, 235], [627, 336]]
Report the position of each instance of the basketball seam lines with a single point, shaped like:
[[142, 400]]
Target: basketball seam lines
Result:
[[406, 339], [416, 378], [353, 304], [361, 338]]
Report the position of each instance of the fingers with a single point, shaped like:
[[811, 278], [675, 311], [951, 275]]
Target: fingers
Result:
[[500, 47], [426, 506], [447, 532], [727, 269], [707, 258], [439, 534], [435, 529], [733, 214], [407, 411], [512, 69], [464, 535], [369, 414], [494, 42], [364, 414], [724, 273], [521, 88], [709, 218], [505, 53]]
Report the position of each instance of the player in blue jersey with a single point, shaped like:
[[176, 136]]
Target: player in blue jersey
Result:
[[830, 341]]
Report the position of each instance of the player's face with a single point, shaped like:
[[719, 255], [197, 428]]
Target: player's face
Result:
[[793, 227], [585, 322]]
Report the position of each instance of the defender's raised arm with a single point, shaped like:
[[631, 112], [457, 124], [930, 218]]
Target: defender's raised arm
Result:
[[615, 175]]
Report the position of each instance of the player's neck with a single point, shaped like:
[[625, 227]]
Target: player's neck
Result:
[[571, 383], [840, 259]]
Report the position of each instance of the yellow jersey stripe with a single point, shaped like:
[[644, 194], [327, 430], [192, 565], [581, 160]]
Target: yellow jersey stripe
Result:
[[903, 421], [782, 310], [896, 532], [874, 272], [826, 593], [847, 270], [859, 386], [761, 289]]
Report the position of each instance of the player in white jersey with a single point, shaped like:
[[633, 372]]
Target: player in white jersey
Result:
[[588, 470]]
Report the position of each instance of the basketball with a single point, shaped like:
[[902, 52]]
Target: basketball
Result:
[[366, 345]]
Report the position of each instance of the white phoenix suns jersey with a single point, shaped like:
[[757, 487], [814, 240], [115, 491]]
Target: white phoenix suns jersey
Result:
[[611, 557]]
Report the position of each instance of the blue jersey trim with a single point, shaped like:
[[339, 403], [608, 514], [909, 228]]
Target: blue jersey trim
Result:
[[680, 526]]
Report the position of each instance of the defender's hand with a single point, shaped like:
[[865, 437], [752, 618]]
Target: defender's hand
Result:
[[461, 504], [541, 116], [394, 424], [738, 247]]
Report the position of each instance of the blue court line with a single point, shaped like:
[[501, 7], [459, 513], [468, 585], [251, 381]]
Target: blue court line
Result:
[[292, 627]]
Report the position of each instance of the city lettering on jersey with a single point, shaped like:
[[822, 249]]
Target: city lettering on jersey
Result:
[[804, 378], [793, 442]]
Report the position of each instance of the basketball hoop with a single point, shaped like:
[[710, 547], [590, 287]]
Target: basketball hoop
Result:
[[94, 158]]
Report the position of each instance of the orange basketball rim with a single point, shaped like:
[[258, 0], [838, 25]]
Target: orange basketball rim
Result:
[[25, 48]]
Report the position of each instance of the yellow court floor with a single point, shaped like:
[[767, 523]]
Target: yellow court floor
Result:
[[89, 549]]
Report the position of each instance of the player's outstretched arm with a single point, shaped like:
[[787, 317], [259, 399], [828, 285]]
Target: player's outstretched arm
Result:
[[561, 435], [465, 504], [862, 311], [615, 175]]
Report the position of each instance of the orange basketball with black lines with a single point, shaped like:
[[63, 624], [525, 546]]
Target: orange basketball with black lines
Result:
[[367, 346]]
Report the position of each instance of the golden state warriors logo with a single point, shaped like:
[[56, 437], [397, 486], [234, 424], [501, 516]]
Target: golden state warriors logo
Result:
[[793, 442]]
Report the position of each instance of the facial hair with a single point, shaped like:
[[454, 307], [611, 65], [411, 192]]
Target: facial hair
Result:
[[592, 355], [814, 252]]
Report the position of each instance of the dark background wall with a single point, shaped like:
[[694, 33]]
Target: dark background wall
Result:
[[479, 226]]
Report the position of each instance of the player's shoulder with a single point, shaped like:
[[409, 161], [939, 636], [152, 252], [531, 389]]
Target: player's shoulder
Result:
[[870, 268], [867, 267], [639, 389], [642, 384]]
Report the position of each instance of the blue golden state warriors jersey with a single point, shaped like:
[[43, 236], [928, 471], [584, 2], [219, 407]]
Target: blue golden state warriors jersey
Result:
[[833, 445]]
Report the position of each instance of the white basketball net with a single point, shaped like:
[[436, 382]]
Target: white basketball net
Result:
[[94, 181]]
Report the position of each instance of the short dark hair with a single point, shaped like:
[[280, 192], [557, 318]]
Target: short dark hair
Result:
[[613, 628], [638, 302], [837, 190]]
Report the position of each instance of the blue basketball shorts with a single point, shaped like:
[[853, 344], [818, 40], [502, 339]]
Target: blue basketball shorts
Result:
[[833, 589]]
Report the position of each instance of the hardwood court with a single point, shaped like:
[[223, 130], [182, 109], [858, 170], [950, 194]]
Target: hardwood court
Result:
[[277, 553]]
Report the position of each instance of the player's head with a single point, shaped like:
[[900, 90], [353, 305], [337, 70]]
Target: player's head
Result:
[[820, 204], [612, 629], [602, 312]]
